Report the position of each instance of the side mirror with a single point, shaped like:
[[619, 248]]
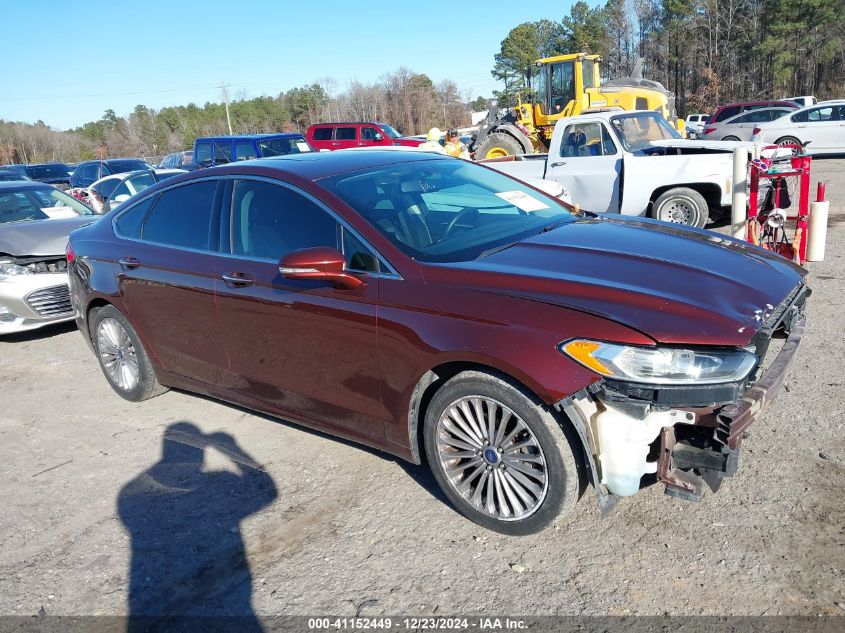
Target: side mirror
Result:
[[379, 137], [319, 262]]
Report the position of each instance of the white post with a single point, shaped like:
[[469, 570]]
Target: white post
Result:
[[817, 230], [739, 210]]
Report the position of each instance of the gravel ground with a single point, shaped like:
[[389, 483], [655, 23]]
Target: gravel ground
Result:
[[331, 528]]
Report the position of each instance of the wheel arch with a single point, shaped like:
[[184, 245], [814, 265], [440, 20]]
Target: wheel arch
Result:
[[95, 304], [711, 192], [434, 378]]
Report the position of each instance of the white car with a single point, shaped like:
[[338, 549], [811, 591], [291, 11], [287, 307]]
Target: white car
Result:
[[633, 163], [820, 126], [694, 124], [740, 127], [111, 191], [807, 100]]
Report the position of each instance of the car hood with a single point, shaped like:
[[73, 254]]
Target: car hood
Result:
[[39, 237], [676, 285], [726, 146]]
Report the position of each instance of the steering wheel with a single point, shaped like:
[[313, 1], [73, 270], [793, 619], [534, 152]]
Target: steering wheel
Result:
[[465, 213]]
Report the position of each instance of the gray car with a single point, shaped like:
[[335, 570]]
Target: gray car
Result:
[[35, 221]]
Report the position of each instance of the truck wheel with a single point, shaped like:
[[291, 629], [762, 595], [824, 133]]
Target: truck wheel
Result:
[[502, 459], [681, 205], [497, 145]]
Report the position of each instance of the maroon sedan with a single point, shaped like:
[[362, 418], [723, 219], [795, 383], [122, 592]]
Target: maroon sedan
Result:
[[442, 311]]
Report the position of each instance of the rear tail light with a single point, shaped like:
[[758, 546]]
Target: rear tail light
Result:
[[756, 131], [708, 130], [70, 256]]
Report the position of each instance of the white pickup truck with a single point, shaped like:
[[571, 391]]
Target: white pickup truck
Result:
[[632, 163]]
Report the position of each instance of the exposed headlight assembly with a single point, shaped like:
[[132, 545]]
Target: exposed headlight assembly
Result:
[[661, 365], [8, 270]]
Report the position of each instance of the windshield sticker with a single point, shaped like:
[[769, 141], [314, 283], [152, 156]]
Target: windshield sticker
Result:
[[303, 147], [522, 200], [59, 213]]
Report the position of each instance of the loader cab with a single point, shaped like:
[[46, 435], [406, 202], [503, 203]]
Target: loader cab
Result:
[[561, 84]]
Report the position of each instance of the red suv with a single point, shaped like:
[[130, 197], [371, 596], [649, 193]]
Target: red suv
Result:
[[732, 109], [345, 135]]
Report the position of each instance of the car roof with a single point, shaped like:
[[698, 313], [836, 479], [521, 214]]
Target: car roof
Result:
[[317, 165], [347, 123], [785, 102], [250, 137], [742, 114]]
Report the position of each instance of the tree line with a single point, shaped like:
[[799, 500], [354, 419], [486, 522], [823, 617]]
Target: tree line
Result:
[[706, 51]]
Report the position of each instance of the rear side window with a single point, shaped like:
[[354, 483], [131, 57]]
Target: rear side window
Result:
[[182, 216], [323, 134], [222, 152], [245, 151], [129, 224], [727, 113], [345, 134]]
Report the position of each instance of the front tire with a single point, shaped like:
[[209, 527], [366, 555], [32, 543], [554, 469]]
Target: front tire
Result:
[[500, 457], [123, 359], [682, 205], [731, 138], [497, 145]]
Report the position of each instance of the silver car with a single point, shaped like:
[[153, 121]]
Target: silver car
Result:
[[740, 127], [35, 221]]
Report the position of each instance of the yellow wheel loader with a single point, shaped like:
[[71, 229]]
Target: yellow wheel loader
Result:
[[566, 85]]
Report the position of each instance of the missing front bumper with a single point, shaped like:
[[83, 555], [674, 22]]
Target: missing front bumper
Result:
[[686, 468]]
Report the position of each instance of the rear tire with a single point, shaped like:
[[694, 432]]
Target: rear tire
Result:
[[731, 138], [499, 456], [122, 357], [681, 205], [497, 145]]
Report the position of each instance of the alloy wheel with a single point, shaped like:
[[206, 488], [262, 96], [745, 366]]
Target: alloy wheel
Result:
[[117, 354], [492, 458]]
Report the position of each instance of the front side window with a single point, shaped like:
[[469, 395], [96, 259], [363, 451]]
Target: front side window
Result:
[[563, 86], [444, 210], [269, 221], [368, 133], [182, 216], [637, 130], [586, 139]]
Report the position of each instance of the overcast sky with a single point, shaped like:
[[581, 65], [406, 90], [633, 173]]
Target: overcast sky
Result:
[[66, 62]]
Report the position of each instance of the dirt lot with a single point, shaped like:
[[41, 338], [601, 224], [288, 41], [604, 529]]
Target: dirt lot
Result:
[[331, 528]]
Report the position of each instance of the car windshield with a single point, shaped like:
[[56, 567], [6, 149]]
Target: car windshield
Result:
[[638, 129], [389, 131], [121, 166], [48, 171], [447, 210], [283, 146], [47, 203]]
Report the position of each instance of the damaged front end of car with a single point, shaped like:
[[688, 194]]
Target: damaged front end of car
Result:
[[668, 415]]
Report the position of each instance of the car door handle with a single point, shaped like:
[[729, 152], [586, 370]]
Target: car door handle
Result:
[[129, 263], [237, 279], [559, 164]]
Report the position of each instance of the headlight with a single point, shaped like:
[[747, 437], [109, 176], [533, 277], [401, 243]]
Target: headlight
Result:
[[9, 270], [660, 365]]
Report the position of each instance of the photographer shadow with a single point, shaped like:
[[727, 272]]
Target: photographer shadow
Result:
[[189, 569]]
